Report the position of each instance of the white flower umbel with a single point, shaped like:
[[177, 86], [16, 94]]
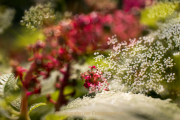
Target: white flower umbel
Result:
[[37, 15], [6, 17], [140, 66]]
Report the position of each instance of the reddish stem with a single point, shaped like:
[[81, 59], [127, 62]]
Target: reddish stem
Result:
[[24, 101], [61, 99], [29, 73], [24, 107]]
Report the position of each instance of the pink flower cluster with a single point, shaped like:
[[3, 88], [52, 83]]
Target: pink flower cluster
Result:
[[31, 85], [123, 25], [85, 33], [131, 5], [47, 56], [94, 80]]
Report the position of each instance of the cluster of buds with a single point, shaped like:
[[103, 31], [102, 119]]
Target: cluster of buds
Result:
[[85, 33], [94, 80], [29, 78], [47, 56]]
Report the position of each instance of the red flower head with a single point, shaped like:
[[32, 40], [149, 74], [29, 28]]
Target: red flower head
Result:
[[94, 80]]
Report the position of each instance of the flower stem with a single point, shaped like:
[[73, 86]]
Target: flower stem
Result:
[[61, 98], [24, 108]]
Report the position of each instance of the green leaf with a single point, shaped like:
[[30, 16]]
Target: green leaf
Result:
[[16, 103], [35, 106], [9, 90], [55, 117], [7, 82], [6, 112], [55, 95]]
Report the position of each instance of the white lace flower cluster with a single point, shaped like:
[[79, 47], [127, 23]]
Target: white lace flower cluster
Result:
[[170, 32], [37, 15], [141, 65], [6, 17]]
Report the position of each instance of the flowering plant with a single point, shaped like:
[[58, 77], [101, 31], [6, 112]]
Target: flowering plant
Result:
[[126, 62], [63, 44]]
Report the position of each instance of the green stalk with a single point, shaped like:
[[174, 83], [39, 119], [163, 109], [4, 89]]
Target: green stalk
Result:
[[24, 108]]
